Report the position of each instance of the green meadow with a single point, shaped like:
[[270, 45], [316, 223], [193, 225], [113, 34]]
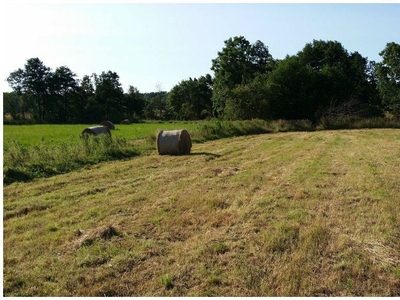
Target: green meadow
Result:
[[29, 135]]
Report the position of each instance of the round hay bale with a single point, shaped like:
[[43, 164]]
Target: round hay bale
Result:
[[126, 121], [108, 124], [96, 130], [174, 142]]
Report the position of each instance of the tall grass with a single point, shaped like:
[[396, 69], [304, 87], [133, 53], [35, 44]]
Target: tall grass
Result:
[[24, 163], [216, 129], [357, 123]]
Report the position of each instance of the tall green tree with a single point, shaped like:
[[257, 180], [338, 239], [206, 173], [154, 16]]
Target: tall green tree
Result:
[[85, 106], [191, 99], [33, 82], [238, 63], [134, 103], [15, 105], [388, 74], [291, 90], [319, 54], [156, 105], [341, 77], [330, 62], [108, 96], [87, 85], [64, 87], [249, 101]]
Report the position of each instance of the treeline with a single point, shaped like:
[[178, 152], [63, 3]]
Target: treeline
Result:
[[43, 96], [323, 81]]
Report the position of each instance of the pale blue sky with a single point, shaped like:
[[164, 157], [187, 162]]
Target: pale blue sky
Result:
[[149, 45]]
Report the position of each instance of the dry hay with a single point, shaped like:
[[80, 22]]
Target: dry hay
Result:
[[89, 237], [108, 124], [174, 142], [126, 121], [222, 172], [96, 130]]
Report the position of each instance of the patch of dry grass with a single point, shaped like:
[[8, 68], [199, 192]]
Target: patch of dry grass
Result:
[[288, 214]]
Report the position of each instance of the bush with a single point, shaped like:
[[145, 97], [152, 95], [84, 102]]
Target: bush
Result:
[[357, 123], [216, 129], [291, 125]]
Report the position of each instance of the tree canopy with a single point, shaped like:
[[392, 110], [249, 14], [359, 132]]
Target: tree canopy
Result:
[[320, 81], [191, 99], [388, 74], [239, 63]]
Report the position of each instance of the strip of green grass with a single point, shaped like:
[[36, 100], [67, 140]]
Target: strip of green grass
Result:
[[29, 135]]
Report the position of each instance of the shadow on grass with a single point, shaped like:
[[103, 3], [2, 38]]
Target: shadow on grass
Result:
[[16, 175], [49, 169]]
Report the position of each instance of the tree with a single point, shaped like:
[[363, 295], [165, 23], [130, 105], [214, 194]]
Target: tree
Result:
[[33, 82], [156, 105], [249, 101], [388, 74], [191, 99], [108, 96], [292, 93], [324, 53], [10, 105], [84, 105], [341, 78], [87, 85], [238, 63], [134, 103], [63, 89]]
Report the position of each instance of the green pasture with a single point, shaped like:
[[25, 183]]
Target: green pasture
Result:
[[29, 135]]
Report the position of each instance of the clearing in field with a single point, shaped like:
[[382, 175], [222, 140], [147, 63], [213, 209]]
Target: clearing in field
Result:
[[287, 214]]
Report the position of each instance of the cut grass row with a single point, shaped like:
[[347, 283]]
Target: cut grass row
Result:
[[288, 214]]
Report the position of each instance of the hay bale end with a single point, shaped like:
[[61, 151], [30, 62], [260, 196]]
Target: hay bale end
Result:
[[110, 125], [126, 122], [174, 142], [96, 130]]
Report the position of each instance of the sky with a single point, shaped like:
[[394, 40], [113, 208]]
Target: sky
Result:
[[154, 46]]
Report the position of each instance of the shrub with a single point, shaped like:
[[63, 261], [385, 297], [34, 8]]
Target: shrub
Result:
[[357, 123]]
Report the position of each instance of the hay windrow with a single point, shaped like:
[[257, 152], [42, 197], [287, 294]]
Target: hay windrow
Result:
[[87, 238]]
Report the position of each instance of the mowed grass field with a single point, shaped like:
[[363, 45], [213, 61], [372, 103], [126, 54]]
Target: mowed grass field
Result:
[[285, 214]]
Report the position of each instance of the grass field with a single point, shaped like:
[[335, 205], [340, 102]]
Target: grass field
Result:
[[285, 214], [36, 151], [33, 134]]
